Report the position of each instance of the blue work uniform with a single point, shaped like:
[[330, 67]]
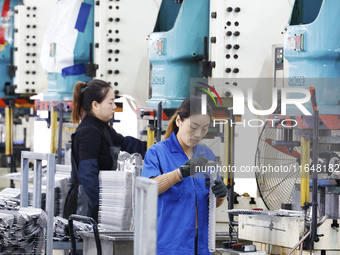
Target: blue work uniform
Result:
[[177, 206]]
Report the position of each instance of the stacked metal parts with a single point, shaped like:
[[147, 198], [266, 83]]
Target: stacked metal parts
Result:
[[61, 232], [22, 231], [61, 187], [9, 199], [116, 204]]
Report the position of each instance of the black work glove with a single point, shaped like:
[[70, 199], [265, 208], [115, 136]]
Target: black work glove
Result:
[[219, 189], [189, 167]]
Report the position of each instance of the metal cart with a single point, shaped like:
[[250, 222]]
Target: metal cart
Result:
[[98, 243], [112, 243]]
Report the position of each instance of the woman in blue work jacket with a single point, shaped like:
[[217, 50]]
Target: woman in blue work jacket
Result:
[[183, 201]]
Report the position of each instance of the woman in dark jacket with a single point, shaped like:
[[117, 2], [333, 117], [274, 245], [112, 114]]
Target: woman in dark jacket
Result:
[[95, 145]]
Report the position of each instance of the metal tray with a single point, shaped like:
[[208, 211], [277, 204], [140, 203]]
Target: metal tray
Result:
[[113, 243]]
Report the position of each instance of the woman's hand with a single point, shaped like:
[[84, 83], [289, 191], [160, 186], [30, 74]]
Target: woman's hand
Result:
[[219, 189], [192, 166]]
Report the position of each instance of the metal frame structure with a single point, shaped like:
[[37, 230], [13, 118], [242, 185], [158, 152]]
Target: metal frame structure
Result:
[[37, 183], [145, 239]]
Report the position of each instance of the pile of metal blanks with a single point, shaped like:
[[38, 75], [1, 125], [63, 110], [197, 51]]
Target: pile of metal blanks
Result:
[[116, 199], [10, 199], [61, 187], [61, 232], [22, 231]]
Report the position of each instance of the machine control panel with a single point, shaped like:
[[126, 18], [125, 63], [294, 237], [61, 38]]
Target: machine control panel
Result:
[[279, 58], [158, 46], [296, 42]]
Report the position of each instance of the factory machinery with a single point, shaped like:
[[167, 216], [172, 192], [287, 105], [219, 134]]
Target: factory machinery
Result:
[[310, 147], [297, 155], [287, 76], [217, 48], [48, 47]]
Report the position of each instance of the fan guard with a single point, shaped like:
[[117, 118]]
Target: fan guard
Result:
[[276, 188]]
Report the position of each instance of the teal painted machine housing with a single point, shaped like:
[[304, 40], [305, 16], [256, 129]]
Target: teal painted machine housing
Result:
[[60, 88], [317, 62], [174, 54], [5, 54]]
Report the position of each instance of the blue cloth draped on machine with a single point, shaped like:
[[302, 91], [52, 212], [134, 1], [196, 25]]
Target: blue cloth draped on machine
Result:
[[66, 48]]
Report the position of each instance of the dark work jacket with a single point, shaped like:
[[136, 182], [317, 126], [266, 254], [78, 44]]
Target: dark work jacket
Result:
[[95, 147]]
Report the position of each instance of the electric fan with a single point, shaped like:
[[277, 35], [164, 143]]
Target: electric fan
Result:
[[278, 169]]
